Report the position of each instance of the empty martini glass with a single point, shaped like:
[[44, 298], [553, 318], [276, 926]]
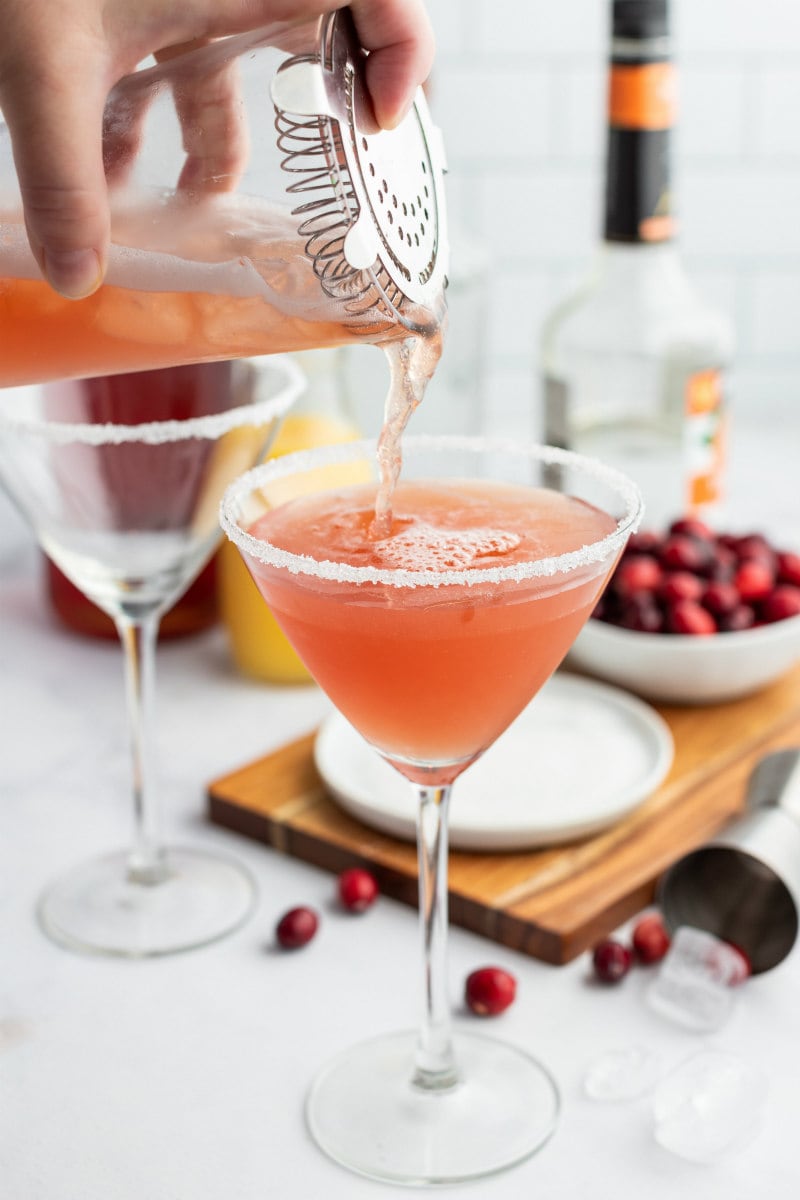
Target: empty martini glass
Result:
[[128, 512], [430, 639]]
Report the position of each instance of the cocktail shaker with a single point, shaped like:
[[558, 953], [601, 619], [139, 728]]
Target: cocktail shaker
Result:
[[256, 208]]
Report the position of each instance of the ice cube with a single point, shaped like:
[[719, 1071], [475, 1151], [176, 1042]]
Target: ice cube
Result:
[[709, 1106], [622, 1074], [696, 980]]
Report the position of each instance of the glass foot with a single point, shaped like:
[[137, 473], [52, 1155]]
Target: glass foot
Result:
[[98, 909], [366, 1114]]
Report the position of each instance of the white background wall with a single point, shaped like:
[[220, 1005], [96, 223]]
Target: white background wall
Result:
[[519, 90]]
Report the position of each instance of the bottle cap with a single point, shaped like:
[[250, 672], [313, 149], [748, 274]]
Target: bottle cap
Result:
[[640, 18]]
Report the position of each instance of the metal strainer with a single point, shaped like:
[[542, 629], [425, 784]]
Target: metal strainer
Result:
[[373, 213]]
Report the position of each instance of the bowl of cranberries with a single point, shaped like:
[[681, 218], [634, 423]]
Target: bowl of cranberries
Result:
[[693, 616]]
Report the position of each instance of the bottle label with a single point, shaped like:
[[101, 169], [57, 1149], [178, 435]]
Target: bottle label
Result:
[[642, 96], [704, 438], [641, 114]]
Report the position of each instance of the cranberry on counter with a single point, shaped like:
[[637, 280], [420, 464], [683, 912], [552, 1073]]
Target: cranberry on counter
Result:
[[358, 889], [296, 927], [489, 991], [650, 938], [611, 960]]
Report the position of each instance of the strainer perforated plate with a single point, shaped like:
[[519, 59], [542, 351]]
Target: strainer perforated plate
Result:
[[372, 210]]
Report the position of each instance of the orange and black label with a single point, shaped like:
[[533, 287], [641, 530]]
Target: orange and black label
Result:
[[641, 114], [704, 438]]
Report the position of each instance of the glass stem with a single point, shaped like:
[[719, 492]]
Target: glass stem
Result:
[[147, 863], [435, 1058]]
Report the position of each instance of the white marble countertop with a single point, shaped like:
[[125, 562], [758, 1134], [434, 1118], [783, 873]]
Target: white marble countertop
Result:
[[184, 1078]]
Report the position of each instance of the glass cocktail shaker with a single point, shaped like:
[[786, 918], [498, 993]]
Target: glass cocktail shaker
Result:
[[256, 208]]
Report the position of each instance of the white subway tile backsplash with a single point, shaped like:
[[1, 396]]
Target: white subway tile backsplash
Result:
[[720, 287], [737, 26], [741, 212], [519, 88], [577, 108], [547, 215], [451, 23], [770, 394], [776, 313], [712, 118], [778, 113], [514, 28], [518, 303], [513, 403], [492, 114]]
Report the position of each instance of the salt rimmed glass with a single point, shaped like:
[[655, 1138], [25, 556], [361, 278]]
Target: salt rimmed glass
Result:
[[399, 650], [129, 514]]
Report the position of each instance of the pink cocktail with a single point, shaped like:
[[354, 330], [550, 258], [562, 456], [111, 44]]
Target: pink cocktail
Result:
[[434, 680], [431, 632]]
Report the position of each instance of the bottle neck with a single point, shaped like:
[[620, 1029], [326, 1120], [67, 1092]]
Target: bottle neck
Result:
[[641, 116]]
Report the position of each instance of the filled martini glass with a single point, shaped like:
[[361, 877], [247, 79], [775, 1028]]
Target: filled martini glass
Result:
[[431, 627]]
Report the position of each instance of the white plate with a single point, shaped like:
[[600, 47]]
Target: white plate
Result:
[[682, 669], [579, 757]]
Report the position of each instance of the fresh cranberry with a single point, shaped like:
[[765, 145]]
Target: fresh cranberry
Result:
[[754, 545], [693, 581], [681, 553], [611, 960], [720, 597], [789, 568], [645, 541], [641, 613], [642, 573], [650, 938], [728, 540], [489, 991], [296, 927], [604, 609], [754, 580], [358, 889], [680, 585], [692, 527], [781, 603], [741, 617], [687, 616], [722, 565]]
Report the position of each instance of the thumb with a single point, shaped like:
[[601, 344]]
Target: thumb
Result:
[[56, 135]]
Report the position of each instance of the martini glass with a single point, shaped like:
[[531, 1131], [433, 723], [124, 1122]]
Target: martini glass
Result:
[[431, 640], [128, 512]]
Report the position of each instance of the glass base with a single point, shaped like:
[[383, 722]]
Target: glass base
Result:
[[364, 1111], [97, 908]]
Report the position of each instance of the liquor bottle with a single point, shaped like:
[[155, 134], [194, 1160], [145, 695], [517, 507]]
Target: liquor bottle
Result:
[[635, 365], [320, 417]]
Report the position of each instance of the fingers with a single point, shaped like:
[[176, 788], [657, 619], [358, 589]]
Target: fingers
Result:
[[400, 39], [60, 170], [53, 91], [215, 136]]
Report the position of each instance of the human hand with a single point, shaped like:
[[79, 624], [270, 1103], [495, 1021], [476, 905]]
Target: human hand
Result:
[[60, 58]]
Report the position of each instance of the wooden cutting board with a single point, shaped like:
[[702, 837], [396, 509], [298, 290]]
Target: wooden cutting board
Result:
[[550, 903]]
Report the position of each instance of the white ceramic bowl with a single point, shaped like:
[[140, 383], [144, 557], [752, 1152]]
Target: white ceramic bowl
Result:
[[682, 669]]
